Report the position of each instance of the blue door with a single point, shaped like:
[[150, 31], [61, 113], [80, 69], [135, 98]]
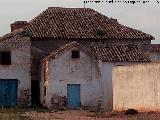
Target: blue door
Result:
[[8, 92], [73, 95], [2, 92]]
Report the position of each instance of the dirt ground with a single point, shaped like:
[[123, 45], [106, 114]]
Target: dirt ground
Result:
[[86, 115], [43, 114]]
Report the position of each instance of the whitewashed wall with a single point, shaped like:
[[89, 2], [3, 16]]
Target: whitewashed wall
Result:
[[106, 71], [137, 86], [63, 70]]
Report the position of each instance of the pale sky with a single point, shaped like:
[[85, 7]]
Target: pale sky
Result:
[[144, 17]]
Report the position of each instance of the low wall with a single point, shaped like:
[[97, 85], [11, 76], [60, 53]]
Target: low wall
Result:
[[137, 87]]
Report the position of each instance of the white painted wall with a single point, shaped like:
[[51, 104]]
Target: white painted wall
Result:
[[84, 71], [106, 71], [94, 76], [137, 87], [107, 84]]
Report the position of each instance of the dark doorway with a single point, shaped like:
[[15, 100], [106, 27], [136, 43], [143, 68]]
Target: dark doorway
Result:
[[35, 92], [35, 85]]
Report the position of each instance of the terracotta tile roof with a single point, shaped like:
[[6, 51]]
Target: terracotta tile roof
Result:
[[121, 53], [11, 34], [79, 23], [154, 48]]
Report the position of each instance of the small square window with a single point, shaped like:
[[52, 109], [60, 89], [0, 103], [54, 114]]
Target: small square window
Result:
[[75, 54], [5, 58]]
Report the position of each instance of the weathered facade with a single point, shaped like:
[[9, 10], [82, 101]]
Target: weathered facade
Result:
[[29, 42], [92, 71], [63, 71], [136, 87], [106, 79], [19, 70]]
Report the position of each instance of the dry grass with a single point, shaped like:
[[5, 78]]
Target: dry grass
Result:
[[41, 114], [13, 114]]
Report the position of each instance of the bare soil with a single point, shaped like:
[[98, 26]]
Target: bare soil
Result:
[[41, 114], [86, 115]]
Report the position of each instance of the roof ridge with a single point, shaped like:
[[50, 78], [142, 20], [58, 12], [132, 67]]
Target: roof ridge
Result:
[[64, 20], [68, 8], [79, 23]]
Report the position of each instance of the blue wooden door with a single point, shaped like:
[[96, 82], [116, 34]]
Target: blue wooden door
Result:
[[73, 95], [8, 93], [2, 92]]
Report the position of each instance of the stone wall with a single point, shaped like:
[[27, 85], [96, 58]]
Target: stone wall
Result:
[[20, 66]]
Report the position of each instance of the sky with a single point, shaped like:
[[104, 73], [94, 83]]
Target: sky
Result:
[[144, 17]]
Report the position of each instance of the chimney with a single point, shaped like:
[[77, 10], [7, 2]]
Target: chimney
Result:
[[114, 20], [17, 25]]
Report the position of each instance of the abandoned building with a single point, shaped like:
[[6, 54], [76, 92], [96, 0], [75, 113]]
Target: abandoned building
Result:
[[69, 53], [84, 74]]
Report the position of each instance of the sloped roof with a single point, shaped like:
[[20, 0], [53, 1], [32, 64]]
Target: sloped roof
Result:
[[84, 23], [154, 48], [11, 34], [120, 53]]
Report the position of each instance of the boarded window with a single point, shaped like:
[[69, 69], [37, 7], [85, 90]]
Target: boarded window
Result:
[[75, 54], [5, 58]]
